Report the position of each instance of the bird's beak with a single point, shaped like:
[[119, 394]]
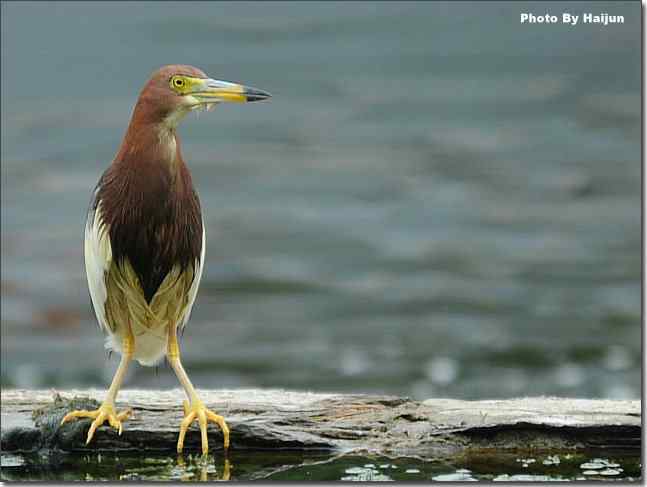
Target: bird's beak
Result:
[[214, 91]]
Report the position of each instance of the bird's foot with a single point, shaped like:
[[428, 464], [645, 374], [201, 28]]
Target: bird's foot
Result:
[[106, 412], [197, 410]]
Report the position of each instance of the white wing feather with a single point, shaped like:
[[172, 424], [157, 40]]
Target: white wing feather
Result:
[[193, 291], [98, 258]]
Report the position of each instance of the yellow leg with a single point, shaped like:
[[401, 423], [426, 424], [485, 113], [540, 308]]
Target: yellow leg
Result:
[[106, 411], [194, 408]]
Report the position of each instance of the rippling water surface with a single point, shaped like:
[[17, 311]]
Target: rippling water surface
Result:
[[437, 201]]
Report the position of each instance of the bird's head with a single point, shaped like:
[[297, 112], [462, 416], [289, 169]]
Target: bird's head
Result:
[[175, 90]]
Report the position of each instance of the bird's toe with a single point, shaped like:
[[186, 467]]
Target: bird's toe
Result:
[[203, 415], [106, 412]]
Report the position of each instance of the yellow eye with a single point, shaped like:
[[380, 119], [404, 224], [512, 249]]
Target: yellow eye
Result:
[[177, 82]]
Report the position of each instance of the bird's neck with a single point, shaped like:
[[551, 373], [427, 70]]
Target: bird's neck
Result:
[[151, 164], [151, 144]]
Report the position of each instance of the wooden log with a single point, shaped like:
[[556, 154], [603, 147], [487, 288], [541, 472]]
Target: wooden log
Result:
[[277, 419]]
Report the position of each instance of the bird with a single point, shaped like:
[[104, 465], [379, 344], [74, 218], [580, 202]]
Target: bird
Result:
[[144, 242]]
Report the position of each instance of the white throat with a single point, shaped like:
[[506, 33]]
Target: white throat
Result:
[[167, 142]]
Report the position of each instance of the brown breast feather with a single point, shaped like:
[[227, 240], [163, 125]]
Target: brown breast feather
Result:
[[153, 218]]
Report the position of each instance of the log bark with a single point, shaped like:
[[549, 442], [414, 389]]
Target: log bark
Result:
[[276, 419]]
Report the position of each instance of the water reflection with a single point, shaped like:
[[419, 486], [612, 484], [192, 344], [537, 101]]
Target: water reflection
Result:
[[302, 466], [205, 465]]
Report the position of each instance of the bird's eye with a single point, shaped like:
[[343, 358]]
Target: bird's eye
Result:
[[177, 83]]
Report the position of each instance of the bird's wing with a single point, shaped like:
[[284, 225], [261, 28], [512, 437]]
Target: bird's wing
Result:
[[98, 261], [193, 291], [98, 258]]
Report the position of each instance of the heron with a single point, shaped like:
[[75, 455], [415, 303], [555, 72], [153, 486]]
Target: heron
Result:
[[145, 240]]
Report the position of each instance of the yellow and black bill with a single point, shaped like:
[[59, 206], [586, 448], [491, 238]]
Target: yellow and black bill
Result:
[[214, 91]]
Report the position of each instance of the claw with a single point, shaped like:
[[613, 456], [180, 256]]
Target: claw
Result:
[[220, 421], [202, 419], [77, 414], [186, 422], [123, 416], [204, 415], [106, 412]]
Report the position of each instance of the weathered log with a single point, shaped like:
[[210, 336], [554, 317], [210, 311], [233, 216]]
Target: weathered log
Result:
[[276, 419]]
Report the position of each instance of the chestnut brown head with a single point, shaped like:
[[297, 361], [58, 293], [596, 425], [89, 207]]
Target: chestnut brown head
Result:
[[175, 90]]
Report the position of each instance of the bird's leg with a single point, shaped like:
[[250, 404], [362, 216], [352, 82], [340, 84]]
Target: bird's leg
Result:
[[194, 408], [106, 411]]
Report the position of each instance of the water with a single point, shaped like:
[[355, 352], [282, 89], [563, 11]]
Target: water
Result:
[[437, 201], [284, 466]]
